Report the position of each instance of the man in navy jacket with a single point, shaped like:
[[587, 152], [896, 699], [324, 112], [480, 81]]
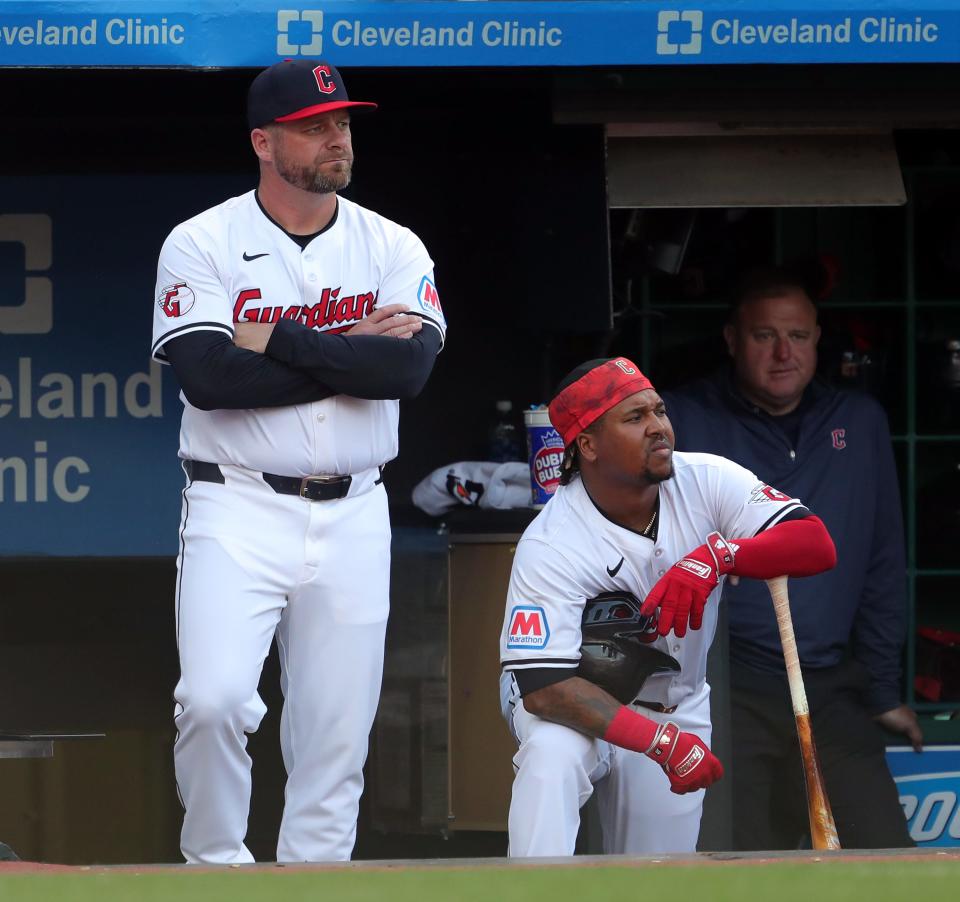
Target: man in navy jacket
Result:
[[832, 450]]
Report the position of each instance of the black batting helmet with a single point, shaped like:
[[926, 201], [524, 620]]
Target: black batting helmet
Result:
[[615, 654]]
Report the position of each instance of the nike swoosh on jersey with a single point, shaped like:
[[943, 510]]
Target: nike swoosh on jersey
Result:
[[616, 569], [249, 257]]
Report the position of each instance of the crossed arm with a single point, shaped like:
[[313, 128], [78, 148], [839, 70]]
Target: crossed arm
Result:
[[387, 355]]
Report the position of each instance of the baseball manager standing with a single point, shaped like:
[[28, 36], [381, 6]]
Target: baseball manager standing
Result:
[[630, 517], [294, 320]]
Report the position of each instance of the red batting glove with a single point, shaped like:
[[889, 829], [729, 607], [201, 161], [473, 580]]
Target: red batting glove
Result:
[[681, 593], [688, 763]]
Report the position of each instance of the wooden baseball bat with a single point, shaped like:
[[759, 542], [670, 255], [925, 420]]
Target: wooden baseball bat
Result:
[[823, 830]]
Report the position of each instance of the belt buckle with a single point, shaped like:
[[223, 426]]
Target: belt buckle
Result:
[[326, 479]]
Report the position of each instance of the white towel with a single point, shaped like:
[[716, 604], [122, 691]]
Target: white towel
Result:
[[474, 483]]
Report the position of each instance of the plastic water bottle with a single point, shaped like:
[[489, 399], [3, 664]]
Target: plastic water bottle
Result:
[[504, 441]]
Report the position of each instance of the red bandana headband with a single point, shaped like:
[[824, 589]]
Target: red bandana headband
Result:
[[593, 394]]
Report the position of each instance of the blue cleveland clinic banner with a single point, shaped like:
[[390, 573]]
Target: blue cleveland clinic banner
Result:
[[929, 789], [226, 33], [88, 426]]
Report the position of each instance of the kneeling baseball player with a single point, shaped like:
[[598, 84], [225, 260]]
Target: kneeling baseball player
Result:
[[602, 686]]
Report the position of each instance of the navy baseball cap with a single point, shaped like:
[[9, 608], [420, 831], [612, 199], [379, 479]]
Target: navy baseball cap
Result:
[[295, 89]]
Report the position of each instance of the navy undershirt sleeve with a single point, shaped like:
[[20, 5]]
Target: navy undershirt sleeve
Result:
[[215, 374], [362, 366], [540, 677], [798, 513]]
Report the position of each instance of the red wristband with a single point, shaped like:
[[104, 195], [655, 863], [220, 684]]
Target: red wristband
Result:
[[631, 731]]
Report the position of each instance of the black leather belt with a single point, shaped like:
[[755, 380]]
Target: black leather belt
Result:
[[313, 488], [656, 706]]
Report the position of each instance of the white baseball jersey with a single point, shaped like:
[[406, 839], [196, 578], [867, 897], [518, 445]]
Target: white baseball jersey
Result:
[[233, 263], [572, 552], [255, 562]]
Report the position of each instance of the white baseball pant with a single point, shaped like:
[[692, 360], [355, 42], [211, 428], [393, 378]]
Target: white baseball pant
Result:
[[254, 564], [557, 769]]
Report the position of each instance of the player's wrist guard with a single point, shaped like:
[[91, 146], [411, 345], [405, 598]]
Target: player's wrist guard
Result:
[[664, 743], [724, 553], [632, 731]]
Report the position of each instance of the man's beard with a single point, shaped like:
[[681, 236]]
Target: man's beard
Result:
[[655, 478], [310, 178]]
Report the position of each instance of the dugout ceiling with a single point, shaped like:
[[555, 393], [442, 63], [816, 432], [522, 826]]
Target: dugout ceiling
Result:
[[763, 136]]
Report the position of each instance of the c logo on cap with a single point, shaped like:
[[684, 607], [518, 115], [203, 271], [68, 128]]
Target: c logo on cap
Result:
[[325, 82], [629, 370]]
